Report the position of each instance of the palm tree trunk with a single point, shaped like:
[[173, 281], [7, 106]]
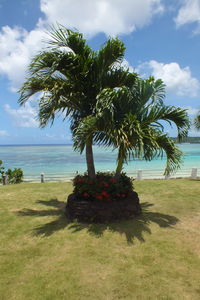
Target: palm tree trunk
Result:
[[90, 159], [120, 162]]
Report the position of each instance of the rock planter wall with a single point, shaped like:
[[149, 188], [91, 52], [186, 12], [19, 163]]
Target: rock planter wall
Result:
[[100, 211]]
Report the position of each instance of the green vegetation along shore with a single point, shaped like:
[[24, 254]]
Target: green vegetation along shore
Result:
[[156, 256], [189, 139]]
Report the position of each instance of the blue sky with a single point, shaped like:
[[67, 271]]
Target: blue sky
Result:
[[162, 38]]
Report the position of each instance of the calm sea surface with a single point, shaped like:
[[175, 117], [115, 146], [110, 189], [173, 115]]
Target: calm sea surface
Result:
[[60, 162]]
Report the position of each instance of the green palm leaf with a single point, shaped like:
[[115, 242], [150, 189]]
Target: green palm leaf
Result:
[[197, 122]]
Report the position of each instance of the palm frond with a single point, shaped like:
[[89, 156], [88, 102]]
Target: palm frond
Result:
[[174, 155], [158, 94], [47, 63], [180, 118], [83, 132], [73, 40], [170, 114], [197, 121], [111, 52], [118, 77], [142, 92]]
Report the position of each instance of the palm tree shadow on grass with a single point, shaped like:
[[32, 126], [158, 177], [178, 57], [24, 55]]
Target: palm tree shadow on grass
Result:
[[132, 229], [57, 210]]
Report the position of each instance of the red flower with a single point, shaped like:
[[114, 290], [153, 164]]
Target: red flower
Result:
[[90, 182], [113, 180], [85, 194], [80, 180], [105, 194], [123, 195], [106, 184]]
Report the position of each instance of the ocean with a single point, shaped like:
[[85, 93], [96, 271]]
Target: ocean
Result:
[[60, 162]]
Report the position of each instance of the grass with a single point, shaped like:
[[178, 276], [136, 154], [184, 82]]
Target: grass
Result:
[[156, 256]]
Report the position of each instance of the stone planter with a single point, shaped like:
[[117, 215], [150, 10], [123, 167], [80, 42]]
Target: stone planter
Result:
[[100, 212]]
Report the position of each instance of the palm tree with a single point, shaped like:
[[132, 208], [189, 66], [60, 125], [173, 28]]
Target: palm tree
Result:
[[129, 119], [197, 121], [70, 76]]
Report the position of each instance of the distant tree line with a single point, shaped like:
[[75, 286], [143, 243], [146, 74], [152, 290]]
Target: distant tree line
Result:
[[189, 139]]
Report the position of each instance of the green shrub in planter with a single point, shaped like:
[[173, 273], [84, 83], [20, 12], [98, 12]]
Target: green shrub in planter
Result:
[[105, 187]]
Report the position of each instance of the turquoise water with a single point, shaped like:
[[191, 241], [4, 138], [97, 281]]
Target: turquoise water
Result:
[[60, 162]]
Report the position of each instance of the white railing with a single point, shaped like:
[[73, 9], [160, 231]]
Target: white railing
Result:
[[49, 177], [137, 174]]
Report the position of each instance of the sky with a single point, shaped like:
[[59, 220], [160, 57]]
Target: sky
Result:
[[162, 38]]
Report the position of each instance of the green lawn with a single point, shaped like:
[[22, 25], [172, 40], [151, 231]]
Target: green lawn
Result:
[[156, 256]]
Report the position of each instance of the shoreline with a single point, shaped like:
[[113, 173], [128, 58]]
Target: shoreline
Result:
[[71, 145], [61, 163], [144, 179], [69, 179]]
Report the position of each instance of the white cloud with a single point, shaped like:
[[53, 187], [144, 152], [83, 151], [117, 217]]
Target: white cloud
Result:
[[178, 80], [51, 136], [24, 116], [112, 17], [124, 64], [3, 133], [109, 16], [189, 13], [57, 136], [17, 46], [191, 110]]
